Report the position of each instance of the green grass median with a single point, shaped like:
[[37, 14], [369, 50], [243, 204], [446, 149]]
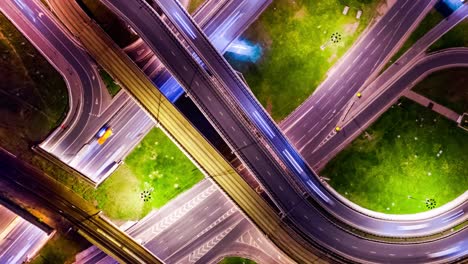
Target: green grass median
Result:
[[236, 260], [112, 87], [33, 95], [153, 174], [408, 159], [298, 48], [456, 37], [453, 96], [193, 5]]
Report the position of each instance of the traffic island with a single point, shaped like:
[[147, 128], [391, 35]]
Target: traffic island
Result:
[[409, 156], [155, 172], [300, 41]]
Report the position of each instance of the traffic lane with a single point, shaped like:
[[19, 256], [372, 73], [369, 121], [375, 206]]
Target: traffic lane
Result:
[[416, 50], [96, 100], [234, 245], [191, 230], [197, 83], [194, 221], [429, 63], [115, 148], [219, 26], [92, 125], [376, 224], [381, 225], [81, 160], [408, 59], [160, 224], [238, 134], [359, 249], [138, 50], [264, 166], [436, 61], [312, 139], [128, 111], [79, 72], [248, 105], [412, 54], [336, 96], [113, 152], [165, 51], [206, 240], [58, 199], [72, 207], [20, 242], [52, 48], [397, 228], [383, 27], [279, 143], [208, 9], [6, 218]]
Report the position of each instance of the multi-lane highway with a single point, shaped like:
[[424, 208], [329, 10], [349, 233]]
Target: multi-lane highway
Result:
[[128, 121], [393, 250], [319, 155], [177, 127], [198, 226], [315, 155], [91, 107], [314, 119], [389, 95], [19, 239], [83, 217], [294, 206]]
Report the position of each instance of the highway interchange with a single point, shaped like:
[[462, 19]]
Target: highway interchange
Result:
[[75, 144], [361, 221], [373, 225]]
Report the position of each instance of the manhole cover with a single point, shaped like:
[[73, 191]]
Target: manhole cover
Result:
[[430, 203]]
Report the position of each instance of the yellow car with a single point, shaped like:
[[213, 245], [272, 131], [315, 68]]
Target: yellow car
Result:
[[105, 136]]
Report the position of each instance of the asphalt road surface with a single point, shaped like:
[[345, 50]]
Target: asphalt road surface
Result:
[[297, 209], [313, 120], [84, 217], [199, 226], [372, 110], [19, 239], [91, 106], [406, 62]]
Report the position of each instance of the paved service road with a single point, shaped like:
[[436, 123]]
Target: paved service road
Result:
[[83, 216], [76, 144], [19, 240], [198, 226], [297, 210], [90, 104], [388, 96], [312, 121]]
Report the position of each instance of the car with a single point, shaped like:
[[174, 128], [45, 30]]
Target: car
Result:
[[103, 134], [101, 131]]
